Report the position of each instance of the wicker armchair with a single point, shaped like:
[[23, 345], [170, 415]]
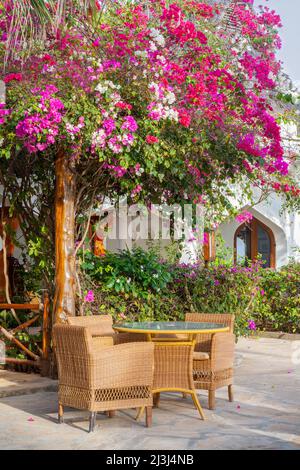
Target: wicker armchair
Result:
[[102, 378], [101, 325], [213, 356]]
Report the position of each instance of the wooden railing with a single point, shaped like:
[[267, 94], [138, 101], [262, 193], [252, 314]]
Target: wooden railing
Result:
[[42, 354]]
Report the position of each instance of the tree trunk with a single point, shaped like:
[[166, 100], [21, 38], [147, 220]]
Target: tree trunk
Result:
[[64, 300]]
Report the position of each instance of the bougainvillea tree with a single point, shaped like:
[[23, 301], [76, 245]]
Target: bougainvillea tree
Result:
[[150, 99]]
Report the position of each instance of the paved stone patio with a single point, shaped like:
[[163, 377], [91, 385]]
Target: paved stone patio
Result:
[[16, 383], [265, 414]]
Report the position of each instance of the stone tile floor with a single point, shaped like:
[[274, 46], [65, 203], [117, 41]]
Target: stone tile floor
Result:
[[265, 414], [16, 383]]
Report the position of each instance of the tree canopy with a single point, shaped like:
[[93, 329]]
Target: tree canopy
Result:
[[152, 99]]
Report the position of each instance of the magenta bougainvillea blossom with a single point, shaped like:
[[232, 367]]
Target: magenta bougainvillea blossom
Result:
[[151, 139], [3, 113], [251, 325], [39, 130], [244, 217], [89, 297]]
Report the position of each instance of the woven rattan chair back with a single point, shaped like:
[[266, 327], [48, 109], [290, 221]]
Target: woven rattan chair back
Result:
[[100, 325], [217, 370], [203, 341]]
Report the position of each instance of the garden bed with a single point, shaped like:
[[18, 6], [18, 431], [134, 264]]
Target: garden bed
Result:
[[138, 286]]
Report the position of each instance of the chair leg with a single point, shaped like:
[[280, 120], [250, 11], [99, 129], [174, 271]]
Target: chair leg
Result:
[[148, 416], [230, 392], [60, 413], [93, 415], [211, 399], [156, 399], [140, 413], [197, 405]]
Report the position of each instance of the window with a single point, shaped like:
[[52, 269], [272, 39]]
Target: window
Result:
[[253, 240], [243, 244]]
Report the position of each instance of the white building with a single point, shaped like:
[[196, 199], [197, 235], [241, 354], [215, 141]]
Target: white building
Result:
[[274, 232]]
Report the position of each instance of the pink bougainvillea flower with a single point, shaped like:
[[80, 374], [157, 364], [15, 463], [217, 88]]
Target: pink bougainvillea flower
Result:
[[251, 325], [38, 130], [122, 105], [90, 297], [96, 43], [109, 125], [3, 113], [130, 124], [136, 190], [205, 239], [184, 118], [127, 139], [151, 139], [244, 217], [114, 145], [13, 76]]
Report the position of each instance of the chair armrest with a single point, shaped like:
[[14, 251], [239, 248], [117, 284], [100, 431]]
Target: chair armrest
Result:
[[123, 365], [99, 330], [222, 351], [100, 342]]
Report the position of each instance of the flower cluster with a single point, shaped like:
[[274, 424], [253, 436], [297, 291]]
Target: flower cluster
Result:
[[89, 297], [244, 217], [161, 86], [13, 76], [161, 107], [38, 130], [74, 130], [252, 325], [117, 131], [4, 112], [259, 68]]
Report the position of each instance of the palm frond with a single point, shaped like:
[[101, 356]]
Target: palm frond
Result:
[[41, 10], [88, 7], [28, 23], [30, 20]]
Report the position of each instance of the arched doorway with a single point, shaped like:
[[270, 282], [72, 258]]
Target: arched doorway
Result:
[[254, 239]]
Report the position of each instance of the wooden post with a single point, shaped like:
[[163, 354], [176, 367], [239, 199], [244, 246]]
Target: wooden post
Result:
[[64, 299], [46, 344], [209, 249]]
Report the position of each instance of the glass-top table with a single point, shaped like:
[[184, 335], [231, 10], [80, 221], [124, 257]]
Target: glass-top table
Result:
[[176, 327], [173, 353]]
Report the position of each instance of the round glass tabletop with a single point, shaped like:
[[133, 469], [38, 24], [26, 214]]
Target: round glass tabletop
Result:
[[171, 327]]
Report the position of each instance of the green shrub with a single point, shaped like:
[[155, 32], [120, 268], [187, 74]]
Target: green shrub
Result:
[[278, 307], [161, 291], [220, 289], [137, 272], [126, 306]]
